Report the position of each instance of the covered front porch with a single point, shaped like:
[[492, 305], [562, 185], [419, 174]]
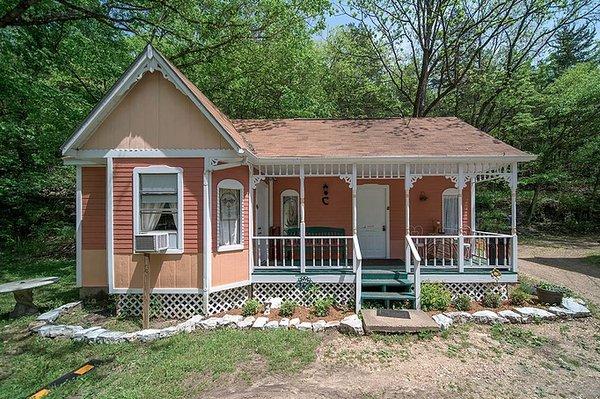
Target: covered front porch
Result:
[[342, 222]]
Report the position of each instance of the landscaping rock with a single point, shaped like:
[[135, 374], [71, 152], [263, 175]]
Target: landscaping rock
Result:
[[131, 337], [272, 324], [459, 317], [190, 324], [210, 323], [319, 325], [111, 337], [246, 323], [442, 320], [284, 323], [576, 306], [274, 303], [93, 335], [36, 325], [305, 325], [168, 332], [81, 334], [58, 331], [232, 320], [511, 316], [332, 325], [536, 313], [351, 325], [150, 334], [488, 317], [260, 322], [562, 313], [53, 314], [294, 322]]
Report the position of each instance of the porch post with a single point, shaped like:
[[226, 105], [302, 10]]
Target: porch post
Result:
[[460, 182], [78, 230], [473, 224], [513, 219], [354, 211], [302, 223], [251, 232], [407, 178], [207, 233], [357, 268]]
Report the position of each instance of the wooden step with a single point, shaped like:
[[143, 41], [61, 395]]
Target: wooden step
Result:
[[386, 281], [387, 296], [383, 274]]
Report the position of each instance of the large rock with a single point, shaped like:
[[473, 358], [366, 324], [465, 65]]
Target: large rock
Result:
[[459, 317], [305, 326], [536, 313], [111, 337], [81, 334], [575, 306], [488, 317], [260, 322], [562, 313], [272, 324], [294, 322], [190, 324], [351, 325], [274, 303], [232, 320], [93, 335], [150, 334], [511, 316], [168, 332], [246, 322], [319, 325], [284, 323], [58, 331], [442, 320], [52, 315], [332, 325], [210, 323]]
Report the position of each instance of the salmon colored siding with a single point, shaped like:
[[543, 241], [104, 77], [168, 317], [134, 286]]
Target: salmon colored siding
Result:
[[166, 271], [231, 266], [93, 227]]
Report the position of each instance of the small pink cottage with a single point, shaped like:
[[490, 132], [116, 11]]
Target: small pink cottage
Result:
[[366, 209]]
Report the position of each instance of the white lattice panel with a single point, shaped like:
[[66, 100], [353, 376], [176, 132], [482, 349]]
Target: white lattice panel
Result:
[[222, 301], [477, 290], [342, 293], [168, 306]]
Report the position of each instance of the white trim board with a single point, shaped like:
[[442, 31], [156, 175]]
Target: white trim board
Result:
[[160, 290], [78, 226], [110, 260], [151, 153], [230, 286], [149, 60]]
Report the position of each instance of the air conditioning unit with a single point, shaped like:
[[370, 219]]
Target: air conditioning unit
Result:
[[147, 243]]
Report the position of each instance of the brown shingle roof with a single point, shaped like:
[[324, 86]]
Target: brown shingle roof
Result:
[[393, 137]]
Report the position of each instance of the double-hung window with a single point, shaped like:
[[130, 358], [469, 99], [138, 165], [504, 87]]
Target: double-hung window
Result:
[[158, 203], [230, 195]]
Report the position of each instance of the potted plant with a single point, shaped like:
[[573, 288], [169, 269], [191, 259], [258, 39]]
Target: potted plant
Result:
[[551, 293]]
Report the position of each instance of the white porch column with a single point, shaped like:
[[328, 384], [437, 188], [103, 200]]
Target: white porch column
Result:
[[109, 225], [513, 219], [302, 223], [207, 232], [407, 185], [78, 231], [460, 182], [354, 209], [251, 226], [473, 224]]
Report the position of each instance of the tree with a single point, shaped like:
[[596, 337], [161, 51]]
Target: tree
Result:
[[573, 44]]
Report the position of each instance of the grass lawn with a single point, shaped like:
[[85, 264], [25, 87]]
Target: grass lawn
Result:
[[170, 368]]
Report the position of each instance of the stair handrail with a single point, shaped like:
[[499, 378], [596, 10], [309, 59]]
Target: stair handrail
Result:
[[357, 264], [414, 255]]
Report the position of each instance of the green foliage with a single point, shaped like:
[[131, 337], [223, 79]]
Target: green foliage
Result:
[[519, 297], [516, 336], [251, 307], [321, 306], [555, 288], [491, 300], [435, 296], [462, 302], [288, 307]]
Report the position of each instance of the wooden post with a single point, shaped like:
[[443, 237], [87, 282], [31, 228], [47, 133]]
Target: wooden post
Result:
[[302, 224], [513, 219], [407, 185], [146, 293], [460, 182]]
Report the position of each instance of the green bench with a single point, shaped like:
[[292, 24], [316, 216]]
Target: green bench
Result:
[[320, 250]]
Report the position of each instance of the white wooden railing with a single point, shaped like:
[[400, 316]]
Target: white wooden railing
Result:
[[415, 259], [328, 251], [276, 251], [357, 265]]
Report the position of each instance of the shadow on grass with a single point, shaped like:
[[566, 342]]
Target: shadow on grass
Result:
[[577, 265]]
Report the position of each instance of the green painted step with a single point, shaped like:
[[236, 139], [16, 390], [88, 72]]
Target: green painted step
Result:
[[389, 296], [383, 274], [386, 282]]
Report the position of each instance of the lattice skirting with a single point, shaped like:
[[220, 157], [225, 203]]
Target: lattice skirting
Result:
[[342, 293], [222, 301], [476, 290], [168, 306]]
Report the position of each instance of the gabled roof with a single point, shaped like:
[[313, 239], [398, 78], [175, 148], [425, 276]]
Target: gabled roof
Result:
[[356, 138], [150, 60]]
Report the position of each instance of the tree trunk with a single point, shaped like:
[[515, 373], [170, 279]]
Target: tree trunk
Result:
[[531, 208]]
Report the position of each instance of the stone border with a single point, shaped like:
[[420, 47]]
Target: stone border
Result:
[[570, 308], [46, 328]]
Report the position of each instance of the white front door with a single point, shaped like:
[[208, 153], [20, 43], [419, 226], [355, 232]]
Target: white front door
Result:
[[372, 220], [261, 217]]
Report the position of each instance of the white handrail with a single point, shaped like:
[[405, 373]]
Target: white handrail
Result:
[[417, 270], [413, 249], [357, 264]]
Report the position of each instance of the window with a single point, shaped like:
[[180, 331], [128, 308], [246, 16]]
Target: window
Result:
[[450, 211], [158, 203], [289, 210], [230, 194]]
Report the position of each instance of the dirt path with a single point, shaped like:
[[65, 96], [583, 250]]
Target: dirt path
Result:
[[562, 261]]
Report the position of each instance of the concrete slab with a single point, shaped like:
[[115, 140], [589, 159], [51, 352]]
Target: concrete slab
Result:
[[397, 321]]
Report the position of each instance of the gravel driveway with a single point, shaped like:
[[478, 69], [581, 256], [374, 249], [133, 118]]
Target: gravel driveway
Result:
[[563, 261]]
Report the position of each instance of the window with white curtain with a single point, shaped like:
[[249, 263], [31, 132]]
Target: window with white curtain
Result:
[[450, 211], [290, 210], [158, 203], [230, 194]]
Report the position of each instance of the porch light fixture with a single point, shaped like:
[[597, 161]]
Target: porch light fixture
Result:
[[422, 196], [325, 198]]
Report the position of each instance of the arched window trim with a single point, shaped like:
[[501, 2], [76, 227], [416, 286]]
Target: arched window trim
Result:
[[232, 185], [288, 193]]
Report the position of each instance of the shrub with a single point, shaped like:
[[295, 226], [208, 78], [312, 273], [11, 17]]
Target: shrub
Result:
[[251, 307], [287, 308], [519, 297], [435, 296], [555, 288], [491, 299], [462, 302], [321, 306]]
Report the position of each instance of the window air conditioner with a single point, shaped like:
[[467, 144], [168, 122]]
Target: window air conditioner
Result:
[[156, 242]]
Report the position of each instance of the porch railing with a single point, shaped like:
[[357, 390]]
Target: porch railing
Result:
[[415, 260], [357, 264]]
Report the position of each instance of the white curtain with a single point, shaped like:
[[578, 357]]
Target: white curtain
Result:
[[229, 216], [150, 220], [450, 214]]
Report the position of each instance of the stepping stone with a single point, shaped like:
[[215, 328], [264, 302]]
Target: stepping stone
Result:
[[390, 321], [58, 331], [210, 323]]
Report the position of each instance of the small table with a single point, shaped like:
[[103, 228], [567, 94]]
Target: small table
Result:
[[23, 292]]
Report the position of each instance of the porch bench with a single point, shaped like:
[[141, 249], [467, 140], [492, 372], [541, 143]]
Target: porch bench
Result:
[[321, 251]]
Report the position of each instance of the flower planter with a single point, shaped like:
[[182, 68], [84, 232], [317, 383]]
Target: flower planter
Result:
[[549, 297]]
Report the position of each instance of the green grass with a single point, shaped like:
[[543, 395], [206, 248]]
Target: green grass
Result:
[[179, 366], [516, 336], [593, 260]]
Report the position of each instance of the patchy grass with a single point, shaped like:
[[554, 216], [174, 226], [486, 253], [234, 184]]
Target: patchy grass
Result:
[[516, 336], [593, 260]]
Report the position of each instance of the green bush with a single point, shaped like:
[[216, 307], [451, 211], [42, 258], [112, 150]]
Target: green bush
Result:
[[251, 307], [462, 302], [491, 300], [519, 297], [434, 296], [321, 306], [287, 308], [555, 288]]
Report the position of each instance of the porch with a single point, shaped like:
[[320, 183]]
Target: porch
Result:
[[344, 231]]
